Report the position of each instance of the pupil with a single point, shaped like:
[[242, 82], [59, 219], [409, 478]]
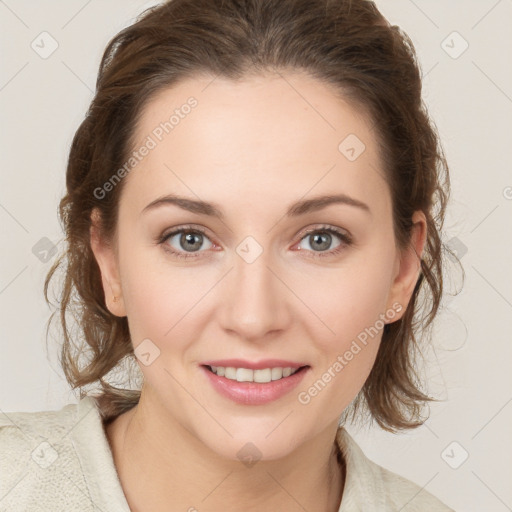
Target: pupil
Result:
[[327, 240], [188, 238]]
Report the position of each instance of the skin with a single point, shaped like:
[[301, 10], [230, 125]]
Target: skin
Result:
[[252, 147]]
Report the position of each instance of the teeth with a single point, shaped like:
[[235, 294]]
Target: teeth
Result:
[[247, 375], [277, 373], [230, 373], [264, 375], [244, 375]]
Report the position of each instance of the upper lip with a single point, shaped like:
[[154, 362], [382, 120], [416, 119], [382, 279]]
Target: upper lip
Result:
[[254, 365]]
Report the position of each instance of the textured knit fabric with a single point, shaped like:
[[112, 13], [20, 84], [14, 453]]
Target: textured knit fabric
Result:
[[61, 461]]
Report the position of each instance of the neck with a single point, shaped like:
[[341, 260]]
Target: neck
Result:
[[163, 466]]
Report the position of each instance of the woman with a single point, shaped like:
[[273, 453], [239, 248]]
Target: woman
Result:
[[254, 205]]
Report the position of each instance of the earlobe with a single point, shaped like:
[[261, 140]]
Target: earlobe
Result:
[[107, 262], [409, 265]]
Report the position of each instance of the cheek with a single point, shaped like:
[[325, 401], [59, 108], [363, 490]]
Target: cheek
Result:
[[351, 300], [346, 346], [159, 299]]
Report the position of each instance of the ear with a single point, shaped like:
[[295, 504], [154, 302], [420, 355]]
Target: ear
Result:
[[408, 265], [107, 261]]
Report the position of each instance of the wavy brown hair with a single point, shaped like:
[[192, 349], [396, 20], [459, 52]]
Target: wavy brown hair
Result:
[[346, 43]]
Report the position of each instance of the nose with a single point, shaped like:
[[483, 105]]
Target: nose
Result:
[[255, 301]]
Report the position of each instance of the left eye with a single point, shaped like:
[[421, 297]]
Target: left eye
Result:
[[320, 240]]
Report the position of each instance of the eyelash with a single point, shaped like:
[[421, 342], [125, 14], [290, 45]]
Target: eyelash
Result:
[[345, 238]]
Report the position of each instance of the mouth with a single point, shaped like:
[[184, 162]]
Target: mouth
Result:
[[262, 375], [254, 386]]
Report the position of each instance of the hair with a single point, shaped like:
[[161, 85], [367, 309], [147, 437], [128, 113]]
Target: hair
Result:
[[345, 43]]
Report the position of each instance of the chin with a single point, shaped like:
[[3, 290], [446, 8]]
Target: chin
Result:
[[255, 439]]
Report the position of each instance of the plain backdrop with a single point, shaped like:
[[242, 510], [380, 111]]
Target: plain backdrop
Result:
[[463, 453]]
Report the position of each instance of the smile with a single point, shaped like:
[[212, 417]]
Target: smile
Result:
[[247, 375], [258, 386]]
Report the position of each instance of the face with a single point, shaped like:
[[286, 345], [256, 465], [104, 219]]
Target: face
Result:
[[250, 268]]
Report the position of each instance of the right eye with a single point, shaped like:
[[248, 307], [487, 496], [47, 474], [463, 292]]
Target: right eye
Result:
[[185, 241]]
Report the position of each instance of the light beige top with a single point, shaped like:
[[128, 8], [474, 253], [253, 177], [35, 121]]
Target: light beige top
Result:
[[61, 461]]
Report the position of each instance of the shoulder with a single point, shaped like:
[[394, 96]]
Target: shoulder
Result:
[[39, 463], [379, 489], [407, 495]]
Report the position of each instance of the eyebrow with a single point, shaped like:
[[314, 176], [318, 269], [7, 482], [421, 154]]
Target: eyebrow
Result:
[[294, 210]]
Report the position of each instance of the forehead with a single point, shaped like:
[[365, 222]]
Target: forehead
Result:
[[277, 135]]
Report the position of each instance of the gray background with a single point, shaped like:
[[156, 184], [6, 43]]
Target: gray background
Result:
[[469, 95]]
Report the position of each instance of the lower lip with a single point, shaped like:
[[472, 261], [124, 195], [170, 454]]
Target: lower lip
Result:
[[254, 393]]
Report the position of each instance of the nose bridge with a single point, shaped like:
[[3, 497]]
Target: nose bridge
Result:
[[254, 301]]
